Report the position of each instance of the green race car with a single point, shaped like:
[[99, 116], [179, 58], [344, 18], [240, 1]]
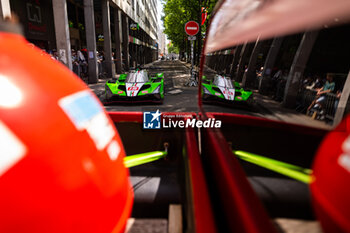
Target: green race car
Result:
[[136, 86], [224, 89]]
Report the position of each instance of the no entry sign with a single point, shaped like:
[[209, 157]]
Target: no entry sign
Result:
[[191, 28]]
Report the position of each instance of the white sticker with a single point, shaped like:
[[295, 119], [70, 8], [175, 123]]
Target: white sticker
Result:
[[12, 150], [133, 88], [229, 93], [100, 130], [91, 54], [86, 114], [113, 150], [344, 161], [346, 145]]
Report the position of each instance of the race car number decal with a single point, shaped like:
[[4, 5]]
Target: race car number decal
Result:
[[134, 88], [228, 93]]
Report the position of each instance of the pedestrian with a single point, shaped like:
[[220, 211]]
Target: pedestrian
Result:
[[99, 63], [75, 62], [320, 100], [82, 64], [259, 76]]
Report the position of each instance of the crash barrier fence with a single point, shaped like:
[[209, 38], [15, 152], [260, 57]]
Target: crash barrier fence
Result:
[[306, 96]]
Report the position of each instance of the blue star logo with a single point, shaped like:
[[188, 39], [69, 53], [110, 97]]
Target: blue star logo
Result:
[[151, 120]]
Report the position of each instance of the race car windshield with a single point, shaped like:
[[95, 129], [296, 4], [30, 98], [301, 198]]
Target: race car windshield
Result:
[[137, 77], [256, 65], [222, 82]]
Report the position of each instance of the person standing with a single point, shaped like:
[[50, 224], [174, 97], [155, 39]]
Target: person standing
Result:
[[321, 95]]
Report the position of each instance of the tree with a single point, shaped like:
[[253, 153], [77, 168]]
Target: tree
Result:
[[177, 13], [172, 48]]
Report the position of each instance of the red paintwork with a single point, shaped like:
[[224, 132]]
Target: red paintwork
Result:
[[231, 118], [63, 183], [138, 116], [243, 210], [126, 116], [203, 213], [331, 187], [131, 101]]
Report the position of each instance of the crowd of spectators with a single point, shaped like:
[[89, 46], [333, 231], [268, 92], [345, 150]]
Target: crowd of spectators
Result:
[[317, 93], [318, 96]]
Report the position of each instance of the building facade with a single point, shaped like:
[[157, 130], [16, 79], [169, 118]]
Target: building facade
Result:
[[126, 31]]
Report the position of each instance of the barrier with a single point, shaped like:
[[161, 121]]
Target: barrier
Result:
[[306, 96]]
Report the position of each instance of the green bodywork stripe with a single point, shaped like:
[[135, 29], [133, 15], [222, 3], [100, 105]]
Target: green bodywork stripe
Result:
[[139, 159], [292, 171]]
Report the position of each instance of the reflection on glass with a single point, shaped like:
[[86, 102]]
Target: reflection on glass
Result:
[[288, 76], [137, 77], [222, 81]]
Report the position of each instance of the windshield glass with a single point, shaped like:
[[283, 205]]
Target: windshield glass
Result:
[[276, 67], [222, 81], [299, 78], [137, 77]]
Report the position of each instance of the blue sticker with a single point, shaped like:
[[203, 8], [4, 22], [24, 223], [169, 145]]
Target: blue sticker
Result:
[[81, 107]]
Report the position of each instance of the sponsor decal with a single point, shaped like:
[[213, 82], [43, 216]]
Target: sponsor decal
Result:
[[228, 93], [87, 114], [132, 89], [12, 150], [344, 161], [152, 120], [113, 150], [344, 158]]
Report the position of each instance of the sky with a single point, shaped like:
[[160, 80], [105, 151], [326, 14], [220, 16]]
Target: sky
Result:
[[160, 13], [160, 22]]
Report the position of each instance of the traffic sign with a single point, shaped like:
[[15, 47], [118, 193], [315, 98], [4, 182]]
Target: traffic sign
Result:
[[192, 38], [191, 28]]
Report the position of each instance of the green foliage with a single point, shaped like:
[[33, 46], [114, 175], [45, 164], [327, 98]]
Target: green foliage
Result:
[[177, 13], [172, 48]]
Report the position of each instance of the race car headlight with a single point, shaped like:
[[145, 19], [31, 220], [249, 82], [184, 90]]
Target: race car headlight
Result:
[[206, 91], [157, 90]]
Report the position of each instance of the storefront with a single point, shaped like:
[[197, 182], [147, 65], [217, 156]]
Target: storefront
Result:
[[36, 17]]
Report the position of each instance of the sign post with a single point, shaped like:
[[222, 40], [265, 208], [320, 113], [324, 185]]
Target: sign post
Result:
[[192, 28]]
